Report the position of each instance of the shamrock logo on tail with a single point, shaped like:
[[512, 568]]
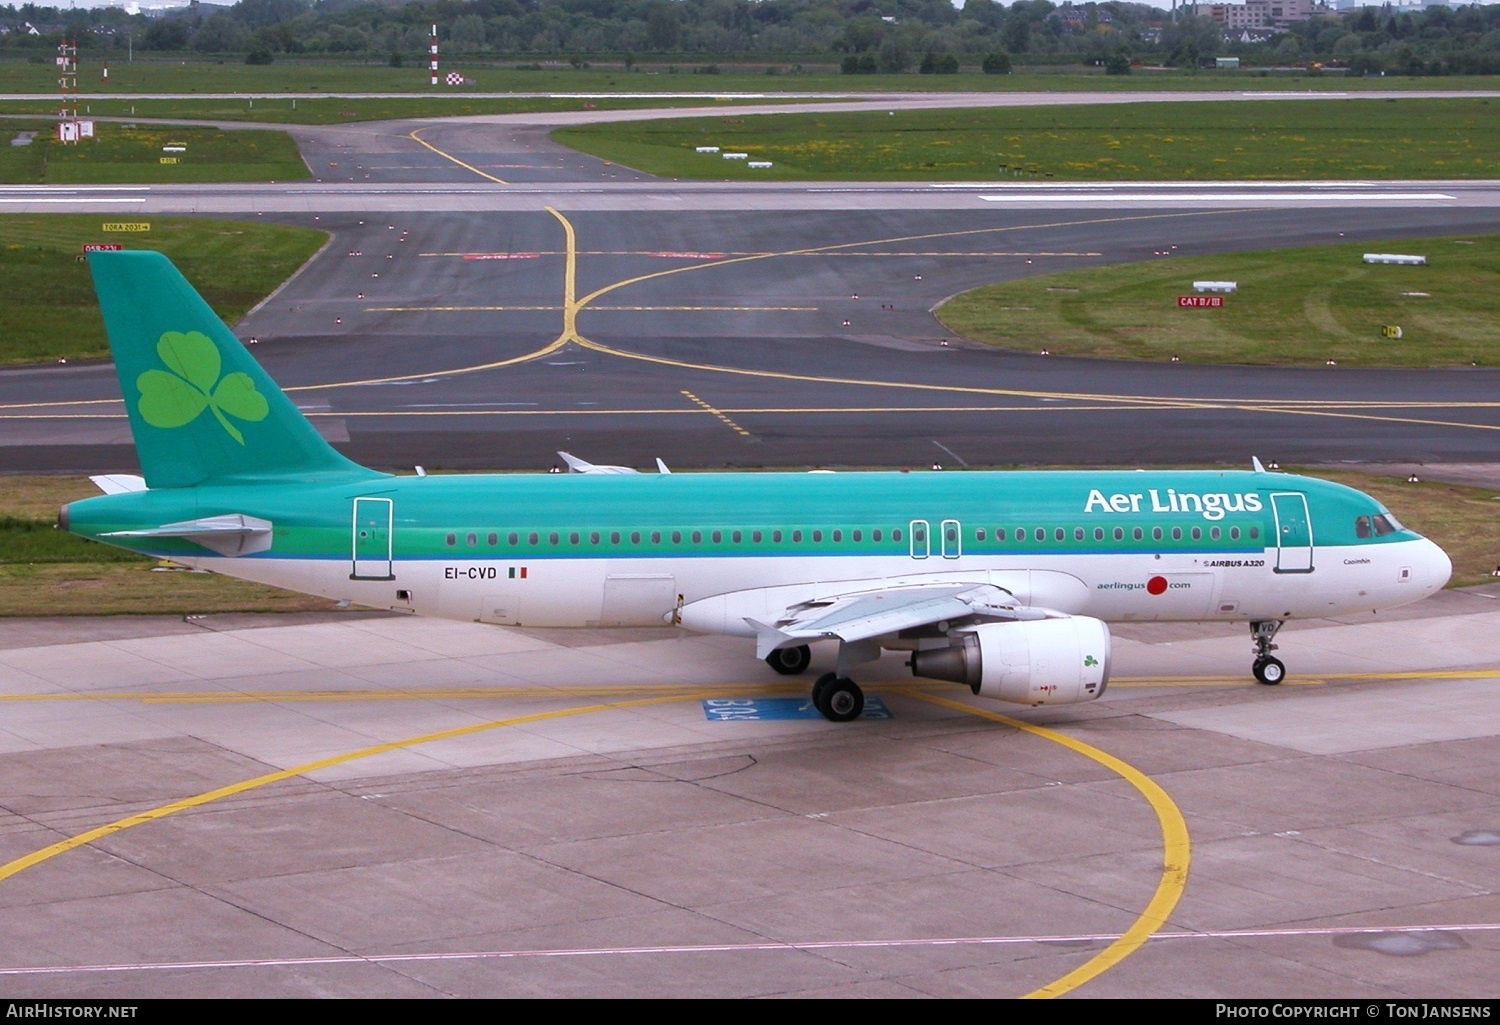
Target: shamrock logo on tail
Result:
[[178, 395]]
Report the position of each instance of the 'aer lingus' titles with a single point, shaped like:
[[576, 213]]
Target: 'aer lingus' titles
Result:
[[1211, 506]]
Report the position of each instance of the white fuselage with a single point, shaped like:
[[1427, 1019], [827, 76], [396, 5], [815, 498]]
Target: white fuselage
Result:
[[717, 593]]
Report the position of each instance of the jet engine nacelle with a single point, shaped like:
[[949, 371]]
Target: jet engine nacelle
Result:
[[1032, 662]]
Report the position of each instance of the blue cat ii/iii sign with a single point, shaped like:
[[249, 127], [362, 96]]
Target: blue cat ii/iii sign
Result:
[[768, 709]]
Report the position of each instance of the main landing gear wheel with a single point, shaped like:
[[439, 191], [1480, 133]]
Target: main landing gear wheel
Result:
[[1269, 670], [790, 661], [819, 687], [838, 698]]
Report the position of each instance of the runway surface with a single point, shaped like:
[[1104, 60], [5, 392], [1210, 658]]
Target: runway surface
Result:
[[490, 297], [791, 338], [365, 805]]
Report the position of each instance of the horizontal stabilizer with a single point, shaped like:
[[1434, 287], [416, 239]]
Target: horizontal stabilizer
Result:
[[231, 534], [118, 483]]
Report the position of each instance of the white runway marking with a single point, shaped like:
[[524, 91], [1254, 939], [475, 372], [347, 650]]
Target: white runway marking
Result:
[[1225, 197], [1105, 186], [735, 948], [70, 189], [69, 199]]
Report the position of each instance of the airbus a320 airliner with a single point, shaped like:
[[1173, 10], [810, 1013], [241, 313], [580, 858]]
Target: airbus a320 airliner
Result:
[[1001, 581]]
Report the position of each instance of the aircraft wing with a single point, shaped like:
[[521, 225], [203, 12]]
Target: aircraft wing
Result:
[[576, 465], [863, 615]]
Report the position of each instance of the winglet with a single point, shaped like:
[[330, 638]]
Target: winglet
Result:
[[661, 467], [1255, 464], [575, 465], [768, 638]]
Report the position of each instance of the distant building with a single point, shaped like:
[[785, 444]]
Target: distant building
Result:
[[1266, 14], [1077, 17]]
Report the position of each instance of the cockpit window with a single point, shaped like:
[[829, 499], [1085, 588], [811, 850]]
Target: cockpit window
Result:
[[1362, 527], [1385, 524]]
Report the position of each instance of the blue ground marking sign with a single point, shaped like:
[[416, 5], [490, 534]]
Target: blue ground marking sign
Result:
[[767, 709]]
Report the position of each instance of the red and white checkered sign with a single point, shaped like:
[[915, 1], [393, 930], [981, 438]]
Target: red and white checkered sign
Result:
[[454, 78]]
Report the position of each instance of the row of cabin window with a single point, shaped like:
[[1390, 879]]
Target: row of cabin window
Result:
[[715, 536], [1021, 534], [1136, 533]]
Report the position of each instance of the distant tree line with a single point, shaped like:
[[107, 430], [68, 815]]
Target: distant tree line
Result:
[[860, 36]]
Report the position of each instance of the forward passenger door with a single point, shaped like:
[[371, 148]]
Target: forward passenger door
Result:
[[1294, 541]]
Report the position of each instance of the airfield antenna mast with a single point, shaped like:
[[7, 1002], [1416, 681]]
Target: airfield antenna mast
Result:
[[432, 56], [67, 78]]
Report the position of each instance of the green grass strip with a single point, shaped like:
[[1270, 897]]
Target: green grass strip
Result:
[[1292, 306], [146, 154], [48, 309], [1207, 141]]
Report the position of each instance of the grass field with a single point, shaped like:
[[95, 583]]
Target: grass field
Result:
[[47, 305], [158, 73], [1293, 306], [134, 153], [45, 572], [1208, 141]]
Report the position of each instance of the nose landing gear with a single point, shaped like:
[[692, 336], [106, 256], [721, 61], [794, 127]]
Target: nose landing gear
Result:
[[1267, 669]]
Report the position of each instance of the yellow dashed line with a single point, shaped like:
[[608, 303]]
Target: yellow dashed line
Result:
[[728, 422]]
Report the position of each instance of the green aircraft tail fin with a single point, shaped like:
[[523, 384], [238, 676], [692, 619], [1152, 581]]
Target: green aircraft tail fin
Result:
[[201, 409]]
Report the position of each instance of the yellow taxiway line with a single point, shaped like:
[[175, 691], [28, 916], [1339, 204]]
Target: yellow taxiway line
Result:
[[1176, 850]]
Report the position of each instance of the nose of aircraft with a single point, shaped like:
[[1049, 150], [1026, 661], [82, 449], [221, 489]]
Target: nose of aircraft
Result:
[[1433, 567]]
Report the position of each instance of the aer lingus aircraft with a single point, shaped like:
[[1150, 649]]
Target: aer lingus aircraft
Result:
[[1001, 581]]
